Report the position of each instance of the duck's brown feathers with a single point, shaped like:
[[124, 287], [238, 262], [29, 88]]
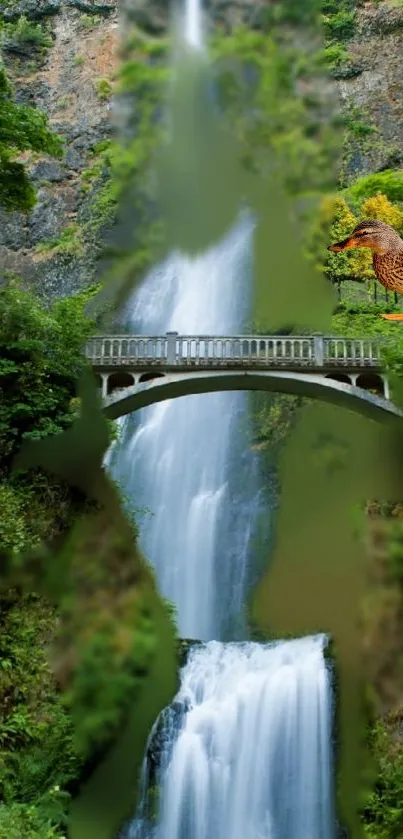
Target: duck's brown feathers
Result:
[[388, 268]]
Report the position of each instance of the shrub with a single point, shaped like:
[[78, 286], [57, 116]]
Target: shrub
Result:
[[104, 89], [389, 183], [28, 33], [69, 242]]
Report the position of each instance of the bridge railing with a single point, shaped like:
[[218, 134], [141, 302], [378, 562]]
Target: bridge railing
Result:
[[205, 350]]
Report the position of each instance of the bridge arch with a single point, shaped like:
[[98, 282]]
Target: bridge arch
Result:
[[372, 382], [339, 377], [313, 386], [148, 377], [119, 380]]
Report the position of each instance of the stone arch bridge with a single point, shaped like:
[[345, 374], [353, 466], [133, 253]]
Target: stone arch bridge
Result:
[[136, 371]]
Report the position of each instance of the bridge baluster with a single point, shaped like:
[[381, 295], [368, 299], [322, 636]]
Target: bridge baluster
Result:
[[228, 349]]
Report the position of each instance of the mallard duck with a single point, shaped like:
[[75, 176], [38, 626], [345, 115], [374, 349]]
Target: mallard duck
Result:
[[387, 249]]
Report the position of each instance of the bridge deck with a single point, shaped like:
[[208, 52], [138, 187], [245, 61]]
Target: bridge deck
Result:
[[205, 351]]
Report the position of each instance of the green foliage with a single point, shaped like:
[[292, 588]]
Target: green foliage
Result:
[[389, 183], [259, 82], [339, 26], [118, 172], [383, 811], [103, 89], [333, 56], [357, 123], [32, 714], [26, 33], [89, 21], [273, 416], [68, 243], [17, 820], [21, 129], [41, 357]]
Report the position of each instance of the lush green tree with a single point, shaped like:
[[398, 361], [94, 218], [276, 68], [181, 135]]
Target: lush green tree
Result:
[[40, 360], [21, 129]]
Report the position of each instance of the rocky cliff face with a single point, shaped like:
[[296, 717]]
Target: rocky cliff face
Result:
[[71, 79], [68, 82], [374, 83]]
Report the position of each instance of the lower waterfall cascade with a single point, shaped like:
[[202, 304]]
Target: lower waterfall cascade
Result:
[[250, 756]]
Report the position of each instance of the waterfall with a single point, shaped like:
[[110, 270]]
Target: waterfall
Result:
[[252, 758], [175, 456], [247, 742], [193, 26]]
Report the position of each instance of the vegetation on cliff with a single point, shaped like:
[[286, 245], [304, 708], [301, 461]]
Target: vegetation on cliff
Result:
[[22, 129], [40, 360]]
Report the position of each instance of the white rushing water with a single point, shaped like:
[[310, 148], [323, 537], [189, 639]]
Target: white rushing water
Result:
[[252, 758], [193, 24], [175, 457]]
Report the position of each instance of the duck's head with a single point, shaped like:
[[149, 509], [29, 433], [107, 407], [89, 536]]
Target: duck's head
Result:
[[370, 233]]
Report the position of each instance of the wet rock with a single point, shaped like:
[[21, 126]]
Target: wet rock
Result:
[[31, 9], [73, 160], [47, 170], [61, 276], [92, 8], [22, 49], [383, 20], [33, 93], [347, 71], [47, 219], [163, 736], [13, 231]]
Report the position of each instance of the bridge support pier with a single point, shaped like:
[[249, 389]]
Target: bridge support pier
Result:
[[104, 388]]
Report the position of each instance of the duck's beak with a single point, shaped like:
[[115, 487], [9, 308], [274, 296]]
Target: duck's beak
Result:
[[343, 245]]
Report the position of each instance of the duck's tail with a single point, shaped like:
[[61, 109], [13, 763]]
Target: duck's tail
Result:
[[398, 316]]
